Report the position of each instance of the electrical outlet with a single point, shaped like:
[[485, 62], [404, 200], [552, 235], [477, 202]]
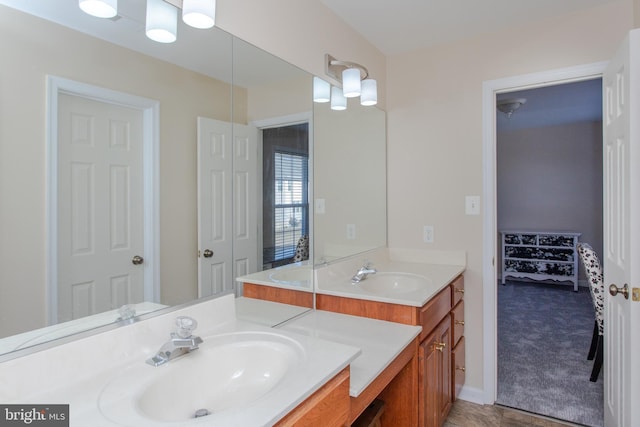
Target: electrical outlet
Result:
[[351, 231], [427, 234], [472, 205]]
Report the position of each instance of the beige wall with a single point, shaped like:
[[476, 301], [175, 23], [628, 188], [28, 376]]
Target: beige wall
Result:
[[183, 95], [301, 32], [435, 132]]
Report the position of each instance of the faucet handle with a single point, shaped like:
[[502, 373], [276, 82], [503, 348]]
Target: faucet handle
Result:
[[185, 326]]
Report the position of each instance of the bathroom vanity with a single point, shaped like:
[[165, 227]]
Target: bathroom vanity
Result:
[[420, 379]]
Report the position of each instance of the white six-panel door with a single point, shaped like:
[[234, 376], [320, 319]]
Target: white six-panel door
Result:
[[621, 129], [245, 187], [100, 206], [215, 198], [227, 198]]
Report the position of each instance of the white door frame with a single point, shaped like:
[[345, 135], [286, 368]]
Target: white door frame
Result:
[[151, 137], [490, 89]]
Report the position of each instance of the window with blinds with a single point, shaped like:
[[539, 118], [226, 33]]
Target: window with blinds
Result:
[[291, 202]]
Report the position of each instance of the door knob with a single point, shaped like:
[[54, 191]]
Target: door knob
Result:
[[614, 290], [208, 253], [137, 260]]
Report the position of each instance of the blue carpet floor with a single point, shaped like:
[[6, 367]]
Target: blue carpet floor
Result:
[[544, 332]]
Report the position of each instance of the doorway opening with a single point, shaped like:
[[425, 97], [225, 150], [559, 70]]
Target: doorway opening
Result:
[[285, 194], [549, 197], [491, 88]]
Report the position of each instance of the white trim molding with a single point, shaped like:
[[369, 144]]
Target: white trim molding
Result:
[[490, 89]]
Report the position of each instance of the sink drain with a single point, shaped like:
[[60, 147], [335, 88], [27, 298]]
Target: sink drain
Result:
[[201, 413]]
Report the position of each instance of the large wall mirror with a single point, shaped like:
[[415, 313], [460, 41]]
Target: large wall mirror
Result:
[[350, 181], [64, 75], [67, 76]]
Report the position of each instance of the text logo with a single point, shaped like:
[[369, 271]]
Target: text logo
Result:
[[34, 415]]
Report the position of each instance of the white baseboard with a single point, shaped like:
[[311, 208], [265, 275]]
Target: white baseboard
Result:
[[472, 394]]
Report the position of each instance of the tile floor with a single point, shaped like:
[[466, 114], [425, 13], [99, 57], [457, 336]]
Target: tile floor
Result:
[[467, 414]]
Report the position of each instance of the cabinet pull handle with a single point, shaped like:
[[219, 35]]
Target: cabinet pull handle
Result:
[[459, 322], [461, 368], [460, 290], [440, 346]]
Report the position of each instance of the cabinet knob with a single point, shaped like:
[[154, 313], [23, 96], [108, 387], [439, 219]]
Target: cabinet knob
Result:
[[459, 290], [440, 346], [461, 368], [459, 322]]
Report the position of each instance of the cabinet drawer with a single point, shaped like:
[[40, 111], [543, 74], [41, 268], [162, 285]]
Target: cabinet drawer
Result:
[[457, 290], [457, 319], [458, 368], [434, 311]]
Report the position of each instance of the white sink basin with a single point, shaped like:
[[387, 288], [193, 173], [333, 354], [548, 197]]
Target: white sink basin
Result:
[[392, 283], [228, 371], [292, 276]]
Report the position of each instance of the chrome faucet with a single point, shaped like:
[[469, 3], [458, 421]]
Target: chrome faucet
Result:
[[363, 272], [182, 342]]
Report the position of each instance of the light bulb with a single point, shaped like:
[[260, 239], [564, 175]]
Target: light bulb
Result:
[[321, 90], [338, 101], [162, 21], [199, 13], [351, 82], [369, 95], [99, 8]]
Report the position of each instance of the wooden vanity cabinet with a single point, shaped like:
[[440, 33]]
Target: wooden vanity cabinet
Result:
[[434, 395], [327, 407], [275, 294], [440, 349]]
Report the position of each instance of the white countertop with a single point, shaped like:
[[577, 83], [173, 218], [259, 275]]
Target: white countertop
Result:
[[266, 313], [297, 276], [337, 282], [380, 342], [80, 372]]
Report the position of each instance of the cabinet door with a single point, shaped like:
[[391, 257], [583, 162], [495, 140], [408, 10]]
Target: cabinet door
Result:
[[435, 375]]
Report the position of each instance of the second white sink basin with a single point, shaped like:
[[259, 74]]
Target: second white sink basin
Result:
[[227, 371], [392, 283]]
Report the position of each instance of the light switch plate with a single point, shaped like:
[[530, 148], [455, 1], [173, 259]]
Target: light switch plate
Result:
[[320, 206], [427, 234], [351, 231], [472, 205]]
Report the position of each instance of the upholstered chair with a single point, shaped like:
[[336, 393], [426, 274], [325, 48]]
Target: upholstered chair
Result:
[[593, 268]]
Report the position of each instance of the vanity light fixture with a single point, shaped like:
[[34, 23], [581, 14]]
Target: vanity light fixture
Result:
[[99, 8], [355, 82], [509, 106], [162, 21]]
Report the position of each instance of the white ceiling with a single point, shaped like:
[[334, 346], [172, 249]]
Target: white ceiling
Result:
[[396, 26]]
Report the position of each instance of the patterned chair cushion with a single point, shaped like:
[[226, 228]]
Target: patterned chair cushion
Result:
[[302, 249], [595, 276]]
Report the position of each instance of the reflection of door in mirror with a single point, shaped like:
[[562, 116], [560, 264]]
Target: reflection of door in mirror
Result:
[[227, 182], [285, 201], [97, 188]]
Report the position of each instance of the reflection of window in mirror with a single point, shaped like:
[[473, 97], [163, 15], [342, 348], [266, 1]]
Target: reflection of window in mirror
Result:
[[285, 193]]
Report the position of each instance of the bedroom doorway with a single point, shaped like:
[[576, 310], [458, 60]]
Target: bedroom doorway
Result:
[[548, 179]]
